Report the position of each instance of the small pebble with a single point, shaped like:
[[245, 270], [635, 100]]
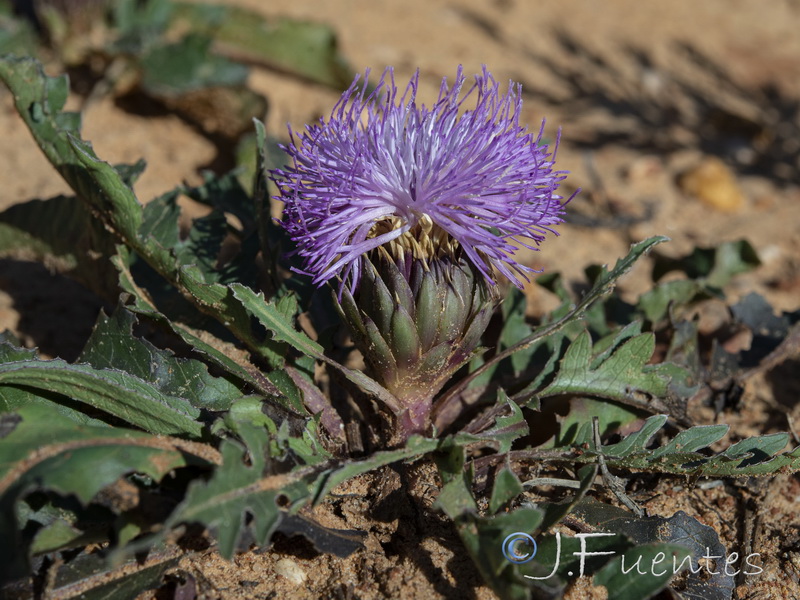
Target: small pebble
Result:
[[714, 184], [290, 570]]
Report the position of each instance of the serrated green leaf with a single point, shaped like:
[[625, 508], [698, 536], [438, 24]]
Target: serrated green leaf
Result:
[[606, 280], [56, 536], [276, 245], [115, 392], [130, 173], [277, 323], [201, 247], [656, 302], [220, 301], [143, 306], [225, 193], [111, 196], [160, 219], [13, 398], [527, 396], [622, 376], [752, 456], [507, 428], [760, 447], [39, 100], [708, 271], [638, 440], [308, 446], [285, 444], [235, 488], [723, 466], [51, 522], [73, 459], [113, 346], [691, 440], [603, 348], [575, 428]]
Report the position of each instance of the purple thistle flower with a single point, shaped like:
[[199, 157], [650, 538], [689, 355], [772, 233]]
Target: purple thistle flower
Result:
[[387, 171]]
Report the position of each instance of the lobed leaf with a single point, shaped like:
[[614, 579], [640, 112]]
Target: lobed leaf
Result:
[[623, 375], [275, 320], [638, 440], [39, 100], [237, 489], [500, 433], [143, 306], [691, 440], [77, 459], [681, 455], [113, 346], [74, 460]]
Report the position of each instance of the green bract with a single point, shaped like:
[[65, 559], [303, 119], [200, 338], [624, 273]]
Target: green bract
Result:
[[417, 323]]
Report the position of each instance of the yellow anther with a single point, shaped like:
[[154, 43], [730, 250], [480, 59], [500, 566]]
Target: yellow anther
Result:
[[425, 240]]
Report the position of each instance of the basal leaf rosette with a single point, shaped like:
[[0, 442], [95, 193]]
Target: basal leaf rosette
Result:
[[414, 211]]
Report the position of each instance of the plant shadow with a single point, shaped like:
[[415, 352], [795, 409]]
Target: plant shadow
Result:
[[631, 99], [55, 313]]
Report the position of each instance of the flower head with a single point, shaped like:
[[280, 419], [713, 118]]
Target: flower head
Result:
[[385, 170]]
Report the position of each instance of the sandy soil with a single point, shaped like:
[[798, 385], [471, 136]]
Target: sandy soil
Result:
[[645, 93]]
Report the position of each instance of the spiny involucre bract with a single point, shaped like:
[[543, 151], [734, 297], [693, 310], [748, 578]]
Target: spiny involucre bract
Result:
[[386, 170]]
